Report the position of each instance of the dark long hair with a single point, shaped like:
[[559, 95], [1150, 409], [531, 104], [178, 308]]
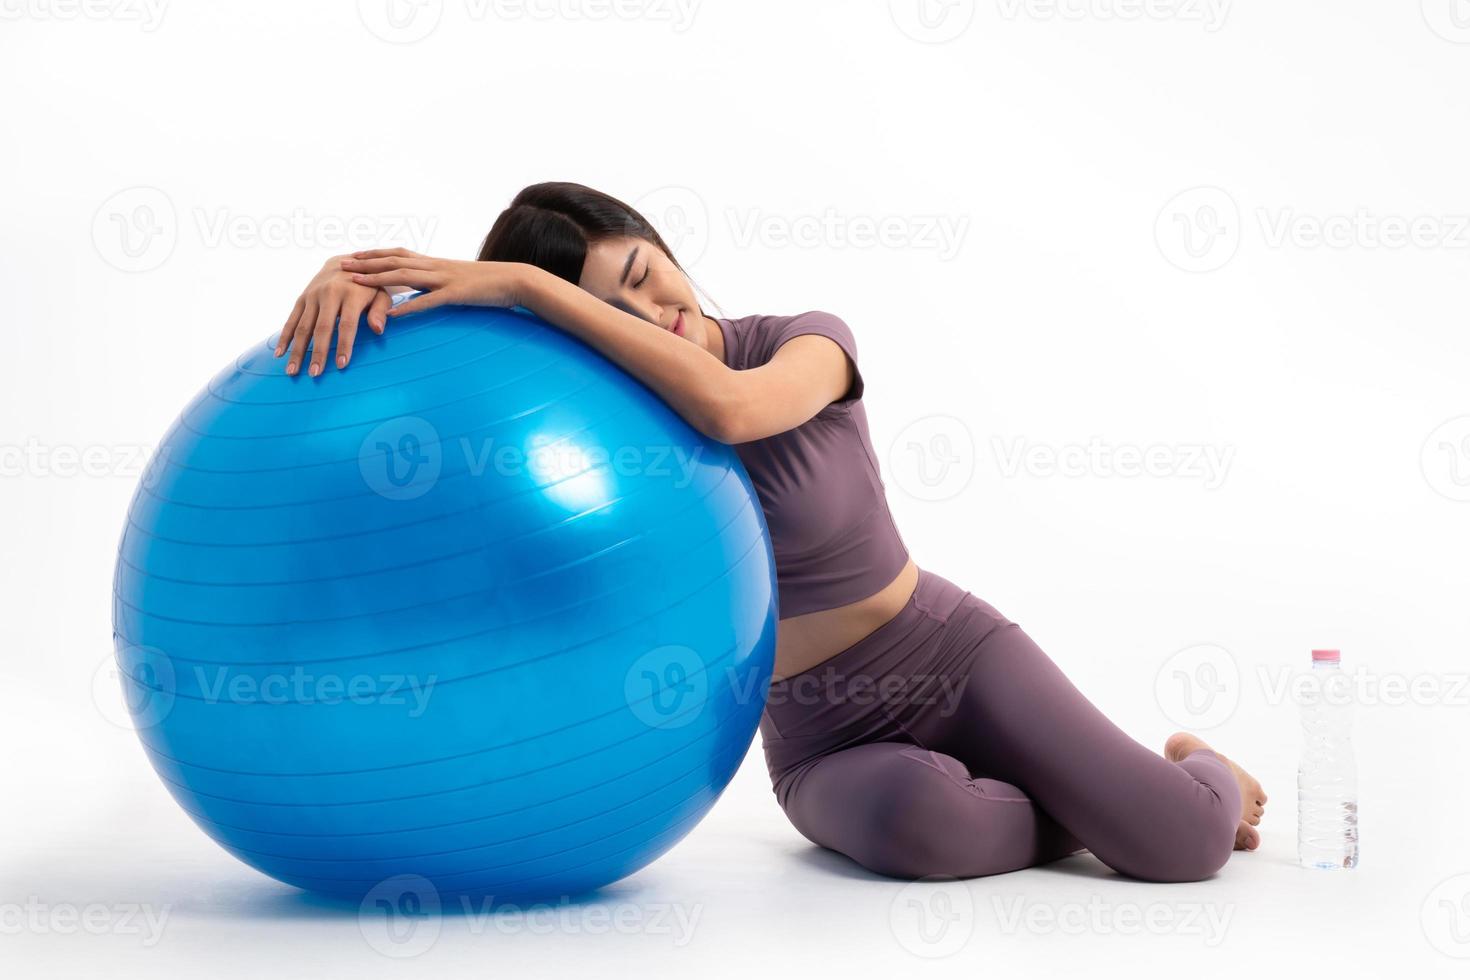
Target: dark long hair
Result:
[[551, 226]]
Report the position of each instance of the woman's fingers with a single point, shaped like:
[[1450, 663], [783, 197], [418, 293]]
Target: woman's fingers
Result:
[[425, 302], [299, 336], [386, 262], [379, 253], [347, 331], [378, 310], [417, 278], [315, 317], [321, 337], [289, 327]]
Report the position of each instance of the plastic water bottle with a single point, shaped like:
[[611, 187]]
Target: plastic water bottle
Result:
[[1327, 780]]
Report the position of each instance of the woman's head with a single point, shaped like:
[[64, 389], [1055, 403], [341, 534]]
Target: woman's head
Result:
[[602, 245]]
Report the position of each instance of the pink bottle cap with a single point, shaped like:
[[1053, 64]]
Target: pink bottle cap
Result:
[[1331, 656]]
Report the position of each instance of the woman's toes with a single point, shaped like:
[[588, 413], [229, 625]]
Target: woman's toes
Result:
[[1247, 838]]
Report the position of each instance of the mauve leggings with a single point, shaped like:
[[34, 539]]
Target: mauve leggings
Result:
[[947, 743]]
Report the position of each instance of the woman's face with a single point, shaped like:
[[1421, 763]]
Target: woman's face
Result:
[[638, 278]]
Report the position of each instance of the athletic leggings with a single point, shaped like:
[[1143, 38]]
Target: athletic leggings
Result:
[[947, 743]]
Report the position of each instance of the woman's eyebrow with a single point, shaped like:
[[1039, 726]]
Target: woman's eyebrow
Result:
[[628, 266]]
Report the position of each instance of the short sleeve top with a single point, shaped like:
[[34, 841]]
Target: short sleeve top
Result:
[[834, 538]]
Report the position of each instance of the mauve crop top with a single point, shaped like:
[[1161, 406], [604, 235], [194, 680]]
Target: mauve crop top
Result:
[[834, 540]]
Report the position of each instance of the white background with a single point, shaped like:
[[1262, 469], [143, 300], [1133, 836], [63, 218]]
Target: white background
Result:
[[1107, 227]]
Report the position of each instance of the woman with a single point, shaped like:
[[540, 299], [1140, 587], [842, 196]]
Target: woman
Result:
[[908, 724]]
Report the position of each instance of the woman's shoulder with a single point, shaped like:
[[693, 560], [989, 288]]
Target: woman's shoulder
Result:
[[763, 333], [758, 337], [773, 320]]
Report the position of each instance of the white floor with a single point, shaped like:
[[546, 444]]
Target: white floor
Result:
[[109, 879]]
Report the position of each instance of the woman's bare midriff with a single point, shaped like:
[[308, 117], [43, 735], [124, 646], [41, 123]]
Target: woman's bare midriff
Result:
[[803, 642]]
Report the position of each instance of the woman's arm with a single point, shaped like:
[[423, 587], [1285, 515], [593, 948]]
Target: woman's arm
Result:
[[806, 374]]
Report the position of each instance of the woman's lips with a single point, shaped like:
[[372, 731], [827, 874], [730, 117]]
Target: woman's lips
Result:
[[678, 328]]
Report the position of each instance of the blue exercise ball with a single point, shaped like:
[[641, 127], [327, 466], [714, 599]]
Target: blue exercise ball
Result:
[[480, 611]]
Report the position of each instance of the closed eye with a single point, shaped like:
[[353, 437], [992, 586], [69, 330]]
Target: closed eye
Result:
[[643, 278]]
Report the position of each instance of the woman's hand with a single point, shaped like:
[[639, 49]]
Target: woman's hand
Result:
[[331, 299], [442, 281]]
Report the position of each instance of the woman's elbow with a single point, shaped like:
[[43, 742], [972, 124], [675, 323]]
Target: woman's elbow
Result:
[[720, 423], [723, 415]]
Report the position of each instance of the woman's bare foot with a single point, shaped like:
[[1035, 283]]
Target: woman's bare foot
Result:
[[1252, 796]]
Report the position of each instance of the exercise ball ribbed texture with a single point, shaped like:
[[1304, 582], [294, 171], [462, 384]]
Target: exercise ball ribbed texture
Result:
[[480, 609]]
